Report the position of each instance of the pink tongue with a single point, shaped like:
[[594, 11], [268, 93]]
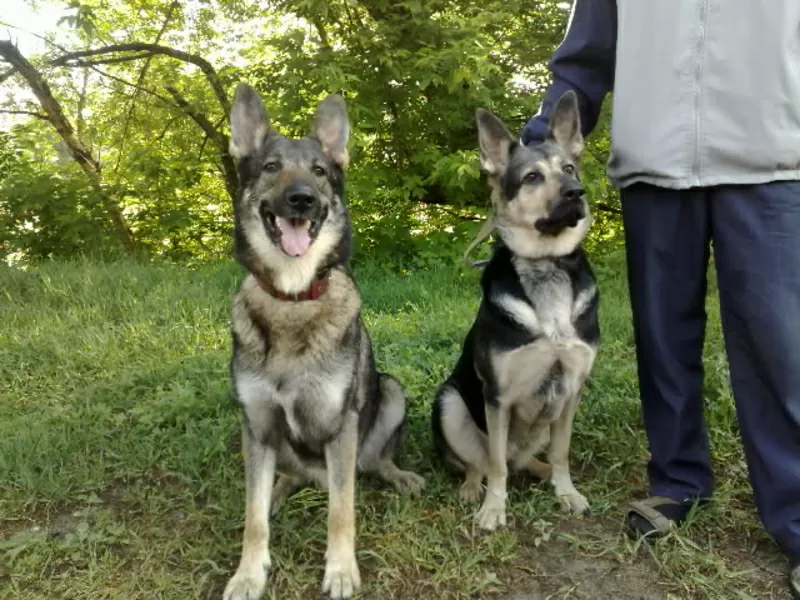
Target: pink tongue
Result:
[[294, 240]]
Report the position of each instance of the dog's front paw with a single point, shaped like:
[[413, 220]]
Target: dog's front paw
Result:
[[341, 578], [574, 502], [492, 514], [247, 584], [407, 482]]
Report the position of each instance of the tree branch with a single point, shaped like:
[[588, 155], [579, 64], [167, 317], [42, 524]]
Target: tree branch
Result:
[[607, 208], [116, 60], [166, 127], [454, 213], [79, 151], [7, 74], [31, 113], [198, 117], [229, 172], [75, 59], [139, 82], [323, 35], [125, 82]]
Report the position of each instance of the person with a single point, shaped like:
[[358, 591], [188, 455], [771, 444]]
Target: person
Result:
[[705, 149]]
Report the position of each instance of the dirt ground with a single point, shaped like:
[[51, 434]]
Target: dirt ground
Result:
[[560, 570], [580, 561]]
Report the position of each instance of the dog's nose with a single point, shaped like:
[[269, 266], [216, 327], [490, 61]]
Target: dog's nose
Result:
[[300, 196], [572, 193]]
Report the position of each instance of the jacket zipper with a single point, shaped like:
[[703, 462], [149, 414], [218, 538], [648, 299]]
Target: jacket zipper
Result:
[[697, 89]]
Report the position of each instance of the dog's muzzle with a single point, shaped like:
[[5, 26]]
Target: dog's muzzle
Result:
[[297, 218], [567, 212]]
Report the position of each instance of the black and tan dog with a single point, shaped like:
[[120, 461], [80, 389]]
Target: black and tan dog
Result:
[[314, 407], [517, 383]]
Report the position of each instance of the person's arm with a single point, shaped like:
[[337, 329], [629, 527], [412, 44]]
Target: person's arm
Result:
[[584, 62]]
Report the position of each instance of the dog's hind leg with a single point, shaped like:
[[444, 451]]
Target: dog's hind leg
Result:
[[385, 437], [471, 489], [525, 460], [286, 485], [464, 445], [342, 576], [251, 577], [537, 468], [406, 482]]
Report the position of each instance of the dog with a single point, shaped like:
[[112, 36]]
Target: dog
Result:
[[315, 409], [515, 388]]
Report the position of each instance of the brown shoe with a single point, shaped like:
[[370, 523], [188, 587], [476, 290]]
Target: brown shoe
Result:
[[655, 517]]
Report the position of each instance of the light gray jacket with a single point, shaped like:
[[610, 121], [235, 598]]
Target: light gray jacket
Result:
[[705, 92]]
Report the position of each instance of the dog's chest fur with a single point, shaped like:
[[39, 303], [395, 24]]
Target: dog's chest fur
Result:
[[550, 292], [554, 303], [308, 407], [545, 298], [295, 360]]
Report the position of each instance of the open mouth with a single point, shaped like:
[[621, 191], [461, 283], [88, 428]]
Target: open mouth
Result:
[[295, 233]]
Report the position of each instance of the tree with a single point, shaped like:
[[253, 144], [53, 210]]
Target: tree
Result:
[[156, 78]]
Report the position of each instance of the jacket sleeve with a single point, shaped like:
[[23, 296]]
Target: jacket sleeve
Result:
[[584, 62]]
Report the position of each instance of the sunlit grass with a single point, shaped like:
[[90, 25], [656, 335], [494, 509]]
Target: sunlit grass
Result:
[[120, 473]]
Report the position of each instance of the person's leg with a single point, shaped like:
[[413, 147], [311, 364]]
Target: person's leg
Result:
[[756, 232], [667, 236]]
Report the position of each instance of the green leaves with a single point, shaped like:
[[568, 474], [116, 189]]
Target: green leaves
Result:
[[81, 17], [412, 72]]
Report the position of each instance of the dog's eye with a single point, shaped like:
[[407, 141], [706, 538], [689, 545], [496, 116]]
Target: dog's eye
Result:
[[532, 177], [272, 167], [569, 169], [318, 171]]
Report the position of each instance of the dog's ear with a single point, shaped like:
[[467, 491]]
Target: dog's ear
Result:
[[565, 124], [495, 142], [332, 129], [249, 122]]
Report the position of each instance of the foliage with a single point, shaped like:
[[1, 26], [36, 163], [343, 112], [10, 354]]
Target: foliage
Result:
[[412, 72], [62, 200]]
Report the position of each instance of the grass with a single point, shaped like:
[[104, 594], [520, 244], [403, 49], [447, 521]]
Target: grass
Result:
[[120, 472]]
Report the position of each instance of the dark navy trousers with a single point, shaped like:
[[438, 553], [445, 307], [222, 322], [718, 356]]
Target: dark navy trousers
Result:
[[755, 234]]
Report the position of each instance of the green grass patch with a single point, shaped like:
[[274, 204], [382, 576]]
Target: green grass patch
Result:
[[120, 472]]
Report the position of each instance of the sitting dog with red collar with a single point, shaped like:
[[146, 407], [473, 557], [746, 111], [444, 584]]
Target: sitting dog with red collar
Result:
[[315, 409]]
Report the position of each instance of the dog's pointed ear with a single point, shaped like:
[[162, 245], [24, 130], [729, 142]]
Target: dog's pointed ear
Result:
[[249, 122], [495, 142], [565, 124], [332, 129]]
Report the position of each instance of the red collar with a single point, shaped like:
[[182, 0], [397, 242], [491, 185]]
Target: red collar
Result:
[[312, 292]]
